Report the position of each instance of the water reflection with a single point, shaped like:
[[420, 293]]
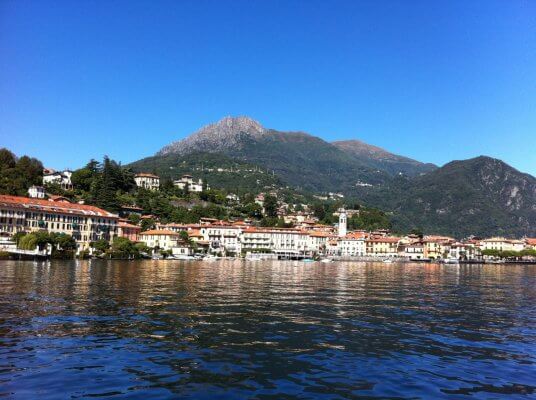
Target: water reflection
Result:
[[266, 330]]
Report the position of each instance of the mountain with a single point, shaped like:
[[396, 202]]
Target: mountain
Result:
[[378, 158], [482, 196], [299, 159]]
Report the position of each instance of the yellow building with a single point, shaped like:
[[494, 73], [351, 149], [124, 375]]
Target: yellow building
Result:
[[385, 246]]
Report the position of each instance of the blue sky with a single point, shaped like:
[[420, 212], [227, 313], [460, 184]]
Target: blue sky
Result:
[[435, 81]]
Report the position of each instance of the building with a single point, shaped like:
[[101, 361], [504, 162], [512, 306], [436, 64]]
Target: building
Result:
[[318, 241], [36, 192], [530, 243], [233, 198], [437, 247], [502, 244], [223, 239], [284, 241], [464, 251], [182, 250], [61, 178], [413, 250], [188, 183], [383, 246], [259, 199], [147, 181], [342, 223], [352, 245], [127, 210], [160, 239], [83, 222], [129, 231]]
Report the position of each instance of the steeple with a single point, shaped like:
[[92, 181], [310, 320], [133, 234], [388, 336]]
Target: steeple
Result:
[[342, 222]]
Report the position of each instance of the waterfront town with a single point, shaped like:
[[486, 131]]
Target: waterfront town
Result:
[[92, 228]]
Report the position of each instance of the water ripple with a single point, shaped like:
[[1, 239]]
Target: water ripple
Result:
[[266, 330]]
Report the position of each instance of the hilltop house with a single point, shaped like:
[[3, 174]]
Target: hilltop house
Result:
[[61, 178], [188, 183], [36, 192], [147, 181]]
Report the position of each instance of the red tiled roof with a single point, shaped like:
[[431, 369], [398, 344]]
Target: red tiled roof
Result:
[[53, 197], [146, 175], [386, 239], [127, 225], [40, 205], [159, 232], [319, 234]]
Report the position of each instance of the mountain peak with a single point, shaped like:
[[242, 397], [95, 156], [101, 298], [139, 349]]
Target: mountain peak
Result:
[[237, 124], [227, 133]]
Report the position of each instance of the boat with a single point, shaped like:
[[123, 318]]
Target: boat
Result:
[[387, 261], [326, 260], [182, 257], [451, 260], [260, 256], [253, 257]]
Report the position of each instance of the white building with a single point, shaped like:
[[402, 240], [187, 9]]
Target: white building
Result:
[[187, 182], [464, 251], [36, 192], [62, 178], [413, 250], [233, 198], [502, 244], [352, 245], [318, 242], [147, 181], [223, 238]]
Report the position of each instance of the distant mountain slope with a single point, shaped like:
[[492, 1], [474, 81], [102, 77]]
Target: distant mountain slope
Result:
[[376, 157], [218, 170], [481, 196]]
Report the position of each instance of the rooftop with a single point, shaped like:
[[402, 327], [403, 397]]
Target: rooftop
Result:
[[159, 232], [27, 203]]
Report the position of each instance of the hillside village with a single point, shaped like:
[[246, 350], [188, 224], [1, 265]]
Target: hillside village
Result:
[[273, 228]]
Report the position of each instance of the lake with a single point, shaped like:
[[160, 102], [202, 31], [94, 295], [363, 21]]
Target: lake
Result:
[[266, 330]]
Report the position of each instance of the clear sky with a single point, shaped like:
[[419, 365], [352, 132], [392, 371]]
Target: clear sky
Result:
[[431, 80]]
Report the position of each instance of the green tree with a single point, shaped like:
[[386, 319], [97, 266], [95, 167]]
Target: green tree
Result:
[[83, 178], [270, 206], [18, 236], [134, 219], [100, 245], [64, 241], [147, 224], [123, 247], [17, 175]]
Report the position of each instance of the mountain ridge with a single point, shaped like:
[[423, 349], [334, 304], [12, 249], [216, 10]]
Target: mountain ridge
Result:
[[380, 158]]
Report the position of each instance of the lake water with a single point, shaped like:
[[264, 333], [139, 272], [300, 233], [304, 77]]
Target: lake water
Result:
[[266, 330]]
